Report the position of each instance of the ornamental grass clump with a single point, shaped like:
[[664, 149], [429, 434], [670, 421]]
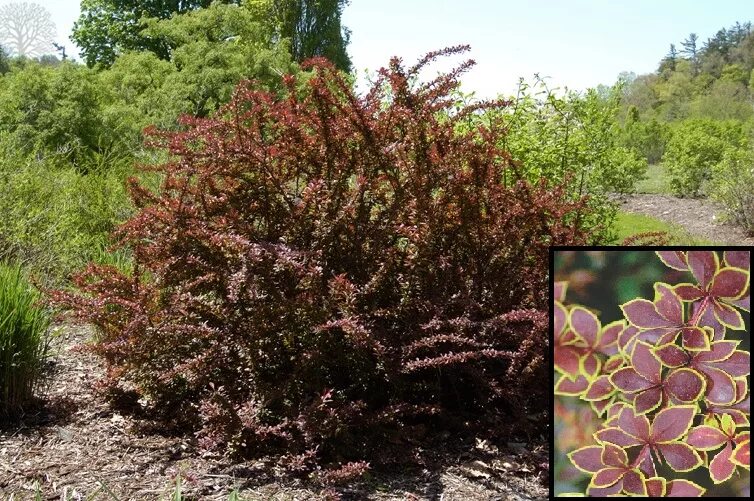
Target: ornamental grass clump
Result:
[[23, 340], [324, 275]]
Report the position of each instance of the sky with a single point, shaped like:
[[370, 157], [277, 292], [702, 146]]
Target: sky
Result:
[[576, 43]]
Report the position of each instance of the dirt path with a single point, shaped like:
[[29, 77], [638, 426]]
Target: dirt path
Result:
[[698, 216], [77, 443]]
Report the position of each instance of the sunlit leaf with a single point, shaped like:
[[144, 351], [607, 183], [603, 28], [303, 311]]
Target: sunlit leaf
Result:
[[721, 467], [706, 438]]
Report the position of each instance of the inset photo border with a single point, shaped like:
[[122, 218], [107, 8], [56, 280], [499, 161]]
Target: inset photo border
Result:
[[650, 371]]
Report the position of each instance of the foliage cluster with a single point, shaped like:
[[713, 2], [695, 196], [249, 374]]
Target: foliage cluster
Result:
[[561, 136], [69, 135], [324, 275], [695, 148], [23, 339], [671, 388], [107, 29]]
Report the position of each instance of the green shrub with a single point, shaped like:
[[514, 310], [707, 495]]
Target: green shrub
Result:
[[54, 219], [694, 148], [731, 184], [23, 339]]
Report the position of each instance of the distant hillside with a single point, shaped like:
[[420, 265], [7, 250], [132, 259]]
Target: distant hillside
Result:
[[711, 79]]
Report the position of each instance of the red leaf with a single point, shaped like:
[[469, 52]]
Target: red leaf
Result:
[[695, 339], [616, 436], [738, 259], [560, 291], [706, 438], [683, 489], [741, 456], [614, 456], [587, 459], [729, 283], [672, 423], [566, 360], [560, 317], [633, 484], [674, 259], [566, 386], [645, 462], [585, 324], [719, 350], [737, 365], [642, 314], [599, 389], [655, 487], [608, 340], [721, 389], [689, 292], [680, 456], [703, 265], [645, 362], [685, 384], [668, 304], [728, 315], [671, 355], [721, 468], [634, 424], [607, 477], [648, 400], [629, 381]]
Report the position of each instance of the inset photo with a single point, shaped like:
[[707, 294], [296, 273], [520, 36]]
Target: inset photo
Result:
[[651, 355]]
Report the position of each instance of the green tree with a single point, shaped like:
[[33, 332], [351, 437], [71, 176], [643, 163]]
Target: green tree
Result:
[[314, 29], [106, 28], [691, 51]]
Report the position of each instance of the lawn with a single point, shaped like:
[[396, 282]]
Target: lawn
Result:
[[627, 224], [658, 181]]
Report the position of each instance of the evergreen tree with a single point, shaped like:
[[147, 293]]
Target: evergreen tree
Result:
[[690, 50]]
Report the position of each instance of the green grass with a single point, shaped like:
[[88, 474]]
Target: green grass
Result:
[[657, 182], [627, 224], [23, 339]]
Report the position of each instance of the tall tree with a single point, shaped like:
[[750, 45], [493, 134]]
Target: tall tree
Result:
[[26, 29], [670, 59], [314, 29], [106, 28], [690, 49]]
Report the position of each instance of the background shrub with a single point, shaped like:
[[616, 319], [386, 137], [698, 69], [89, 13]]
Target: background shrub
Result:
[[694, 148], [23, 339], [732, 179], [321, 274]]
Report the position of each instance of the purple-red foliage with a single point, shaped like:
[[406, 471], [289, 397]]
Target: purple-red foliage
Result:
[[669, 385], [323, 271]]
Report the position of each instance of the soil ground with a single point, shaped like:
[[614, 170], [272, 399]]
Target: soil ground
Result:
[[77, 447], [699, 217]]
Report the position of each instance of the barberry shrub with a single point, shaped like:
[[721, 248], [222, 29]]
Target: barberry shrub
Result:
[[671, 389], [323, 273]]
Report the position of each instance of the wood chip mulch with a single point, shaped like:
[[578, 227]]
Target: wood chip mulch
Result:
[[76, 446]]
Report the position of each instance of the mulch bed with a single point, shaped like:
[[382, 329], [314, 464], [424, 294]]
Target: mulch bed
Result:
[[700, 217], [76, 446]]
